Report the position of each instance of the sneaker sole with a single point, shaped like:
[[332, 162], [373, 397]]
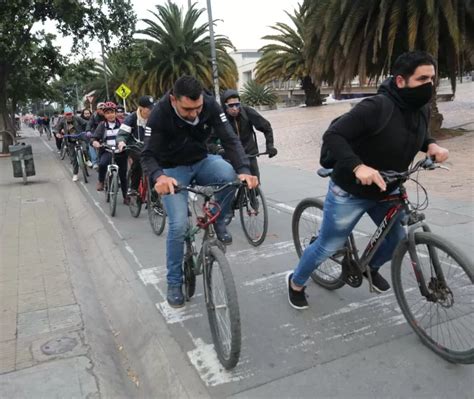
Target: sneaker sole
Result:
[[287, 279]]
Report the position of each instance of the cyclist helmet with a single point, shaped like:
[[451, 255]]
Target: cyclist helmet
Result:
[[109, 105], [100, 106]]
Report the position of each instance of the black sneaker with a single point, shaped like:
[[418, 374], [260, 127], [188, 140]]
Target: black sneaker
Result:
[[175, 296], [222, 234], [378, 282], [297, 299]]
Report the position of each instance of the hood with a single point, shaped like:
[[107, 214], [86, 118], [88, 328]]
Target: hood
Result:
[[389, 88], [228, 94]]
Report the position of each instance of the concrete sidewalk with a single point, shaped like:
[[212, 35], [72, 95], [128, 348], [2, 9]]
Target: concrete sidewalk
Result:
[[49, 347]]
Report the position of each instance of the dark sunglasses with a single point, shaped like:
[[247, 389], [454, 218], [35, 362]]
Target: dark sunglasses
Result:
[[233, 105]]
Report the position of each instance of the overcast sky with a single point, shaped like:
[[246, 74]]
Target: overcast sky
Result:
[[243, 21]]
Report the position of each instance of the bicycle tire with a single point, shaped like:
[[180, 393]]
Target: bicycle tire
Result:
[[249, 207], [113, 193], [156, 211], [189, 277], [135, 201], [107, 186], [438, 244], [82, 165], [228, 353], [63, 150], [327, 275]]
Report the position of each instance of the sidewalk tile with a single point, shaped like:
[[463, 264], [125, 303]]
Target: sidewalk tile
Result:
[[65, 317], [8, 326], [60, 297], [7, 356], [29, 285], [8, 288], [32, 301], [33, 323]]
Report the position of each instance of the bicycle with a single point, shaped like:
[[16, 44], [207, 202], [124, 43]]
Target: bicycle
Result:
[[219, 286], [156, 211], [78, 154], [253, 211], [429, 256], [64, 149], [111, 182]]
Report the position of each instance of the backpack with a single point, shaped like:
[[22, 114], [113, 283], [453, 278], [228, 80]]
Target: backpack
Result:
[[328, 161]]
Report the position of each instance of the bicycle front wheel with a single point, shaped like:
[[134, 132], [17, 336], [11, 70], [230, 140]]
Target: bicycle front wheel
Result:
[[253, 215], [305, 226], [63, 150], [135, 200], [156, 211], [82, 164], [113, 193], [444, 320], [222, 308]]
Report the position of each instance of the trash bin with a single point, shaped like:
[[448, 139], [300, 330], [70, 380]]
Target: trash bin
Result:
[[19, 152]]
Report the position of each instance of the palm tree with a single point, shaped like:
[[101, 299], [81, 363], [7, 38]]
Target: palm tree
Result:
[[363, 37], [178, 46], [286, 59]]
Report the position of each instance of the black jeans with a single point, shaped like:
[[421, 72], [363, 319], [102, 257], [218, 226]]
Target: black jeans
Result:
[[135, 170]]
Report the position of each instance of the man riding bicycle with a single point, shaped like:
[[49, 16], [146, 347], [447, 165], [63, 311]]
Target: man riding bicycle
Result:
[[71, 125], [132, 131], [175, 153], [383, 132]]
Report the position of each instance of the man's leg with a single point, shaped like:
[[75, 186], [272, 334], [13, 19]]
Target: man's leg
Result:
[[254, 170], [72, 157], [121, 160], [176, 207], [104, 161], [135, 171]]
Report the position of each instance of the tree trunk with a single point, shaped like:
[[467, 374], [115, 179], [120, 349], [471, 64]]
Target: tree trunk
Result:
[[436, 119], [311, 92], [5, 122]]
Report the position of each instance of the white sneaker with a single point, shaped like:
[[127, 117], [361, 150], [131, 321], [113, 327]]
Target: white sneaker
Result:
[[75, 177], [89, 164]]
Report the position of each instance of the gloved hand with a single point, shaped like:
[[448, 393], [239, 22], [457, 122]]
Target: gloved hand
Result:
[[88, 135], [272, 151]]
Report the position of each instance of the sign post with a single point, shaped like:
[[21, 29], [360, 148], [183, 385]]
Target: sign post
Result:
[[123, 92]]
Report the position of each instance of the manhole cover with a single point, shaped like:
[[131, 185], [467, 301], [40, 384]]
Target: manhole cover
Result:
[[58, 346]]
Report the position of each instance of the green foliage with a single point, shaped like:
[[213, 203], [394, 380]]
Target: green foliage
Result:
[[255, 94], [178, 45], [363, 37]]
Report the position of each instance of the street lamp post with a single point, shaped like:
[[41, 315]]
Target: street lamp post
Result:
[[215, 75], [105, 71]]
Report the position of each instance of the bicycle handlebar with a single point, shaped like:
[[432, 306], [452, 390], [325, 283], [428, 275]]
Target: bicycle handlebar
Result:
[[208, 191], [391, 176], [257, 155]]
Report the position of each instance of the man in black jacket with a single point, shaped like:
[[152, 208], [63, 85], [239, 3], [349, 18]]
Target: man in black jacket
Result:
[[360, 154], [244, 120], [132, 131], [176, 154]]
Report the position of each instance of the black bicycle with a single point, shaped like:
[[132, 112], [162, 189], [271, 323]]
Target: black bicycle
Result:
[[219, 287], [253, 211], [78, 155], [111, 182], [433, 280]]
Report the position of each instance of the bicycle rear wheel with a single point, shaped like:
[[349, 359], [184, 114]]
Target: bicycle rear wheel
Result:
[[444, 322], [135, 200], [222, 308], [156, 211], [305, 226], [253, 215], [113, 193]]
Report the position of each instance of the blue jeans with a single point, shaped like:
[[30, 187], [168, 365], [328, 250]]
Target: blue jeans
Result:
[[92, 154], [210, 170], [342, 211]]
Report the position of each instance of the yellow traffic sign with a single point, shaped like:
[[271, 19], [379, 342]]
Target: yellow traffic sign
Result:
[[123, 91]]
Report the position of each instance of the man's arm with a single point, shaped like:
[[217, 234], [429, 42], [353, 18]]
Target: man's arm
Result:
[[98, 134], [262, 125], [125, 131], [230, 141], [148, 157], [359, 121]]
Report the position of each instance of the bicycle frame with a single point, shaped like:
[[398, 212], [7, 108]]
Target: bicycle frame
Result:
[[411, 221]]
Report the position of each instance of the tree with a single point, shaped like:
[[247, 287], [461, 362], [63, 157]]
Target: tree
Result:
[[363, 37], [286, 59], [177, 46], [81, 18]]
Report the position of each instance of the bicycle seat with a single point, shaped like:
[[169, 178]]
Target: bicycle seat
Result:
[[323, 172]]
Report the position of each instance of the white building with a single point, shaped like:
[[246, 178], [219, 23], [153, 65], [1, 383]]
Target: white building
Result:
[[246, 61]]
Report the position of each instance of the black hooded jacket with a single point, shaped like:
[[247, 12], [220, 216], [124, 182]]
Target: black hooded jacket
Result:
[[172, 142], [352, 143], [245, 122]]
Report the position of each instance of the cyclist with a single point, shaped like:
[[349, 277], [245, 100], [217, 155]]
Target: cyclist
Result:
[[70, 125], [176, 153], [359, 155], [106, 133], [133, 131], [244, 120], [86, 115], [96, 118], [121, 113]]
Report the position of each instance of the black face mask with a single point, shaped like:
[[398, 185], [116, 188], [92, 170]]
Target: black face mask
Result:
[[416, 97]]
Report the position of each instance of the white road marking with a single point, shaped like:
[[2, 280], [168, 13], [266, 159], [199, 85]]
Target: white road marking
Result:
[[178, 315]]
